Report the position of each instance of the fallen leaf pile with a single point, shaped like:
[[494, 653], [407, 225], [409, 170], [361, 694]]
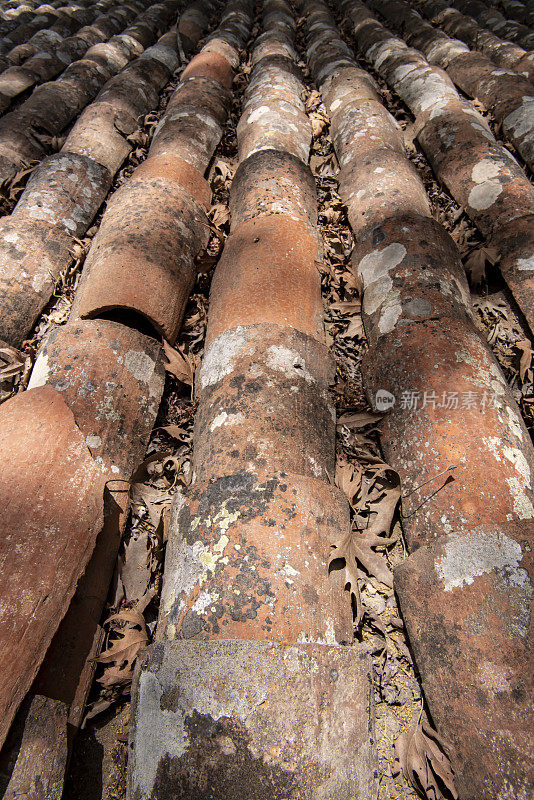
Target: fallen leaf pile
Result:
[[126, 637], [509, 339], [373, 491]]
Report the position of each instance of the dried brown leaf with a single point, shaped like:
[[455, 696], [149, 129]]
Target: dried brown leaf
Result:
[[144, 470], [475, 263], [354, 329], [348, 478], [176, 431], [349, 307], [525, 363], [379, 499], [354, 549], [121, 654], [319, 124], [151, 485], [221, 174], [423, 758], [219, 214], [324, 166], [342, 553], [179, 365], [134, 565], [358, 420]]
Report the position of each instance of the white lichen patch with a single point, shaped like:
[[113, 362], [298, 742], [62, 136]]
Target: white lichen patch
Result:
[[374, 269], [470, 555], [377, 265], [316, 468], [390, 314], [525, 264], [288, 362], [515, 422], [521, 121], [488, 188], [485, 170], [484, 195], [204, 601], [221, 355], [518, 459], [219, 420], [140, 365], [522, 505]]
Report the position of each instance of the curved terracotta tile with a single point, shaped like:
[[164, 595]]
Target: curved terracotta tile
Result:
[[52, 506]]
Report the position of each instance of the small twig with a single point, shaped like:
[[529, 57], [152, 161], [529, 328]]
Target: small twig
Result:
[[430, 496], [448, 469]]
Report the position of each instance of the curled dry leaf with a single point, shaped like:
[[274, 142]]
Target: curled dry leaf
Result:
[[354, 329], [377, 501], [313, 100], [221, 174], [11, 362], [423, 758], [151, 485], [373, 492], [179, 364], [14, 366], [319, 124], [324, 166]]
